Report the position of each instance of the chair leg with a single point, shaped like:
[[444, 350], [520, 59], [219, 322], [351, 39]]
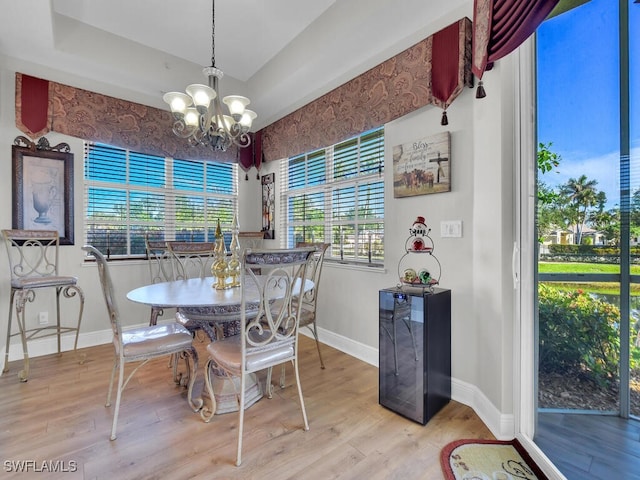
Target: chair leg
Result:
[[241, 417], [113, 375], [58, 290], [71, 292], [314, 330], [315, 335], [207, 413], [21, 300], [191, 361], [118, 398], [283, 372], [268, 383], [304, 411], [5, 368]]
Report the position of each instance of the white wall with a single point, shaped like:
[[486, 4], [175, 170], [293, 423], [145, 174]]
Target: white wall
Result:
[[475, 267]]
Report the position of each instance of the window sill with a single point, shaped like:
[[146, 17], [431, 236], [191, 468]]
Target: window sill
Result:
[[362, 267]]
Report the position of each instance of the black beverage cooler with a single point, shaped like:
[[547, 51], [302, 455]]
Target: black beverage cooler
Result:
[[415, 351]]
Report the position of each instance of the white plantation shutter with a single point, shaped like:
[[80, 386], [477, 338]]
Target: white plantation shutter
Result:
[[336, 195], [129, 195]]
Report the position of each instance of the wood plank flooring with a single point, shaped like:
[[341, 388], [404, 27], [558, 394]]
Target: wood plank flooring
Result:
[[59, 416], [590, 447]]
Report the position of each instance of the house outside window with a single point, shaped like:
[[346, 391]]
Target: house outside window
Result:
[[130, 196], [336, 195]]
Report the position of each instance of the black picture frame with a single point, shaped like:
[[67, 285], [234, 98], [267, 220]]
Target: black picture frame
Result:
[[43, 187]]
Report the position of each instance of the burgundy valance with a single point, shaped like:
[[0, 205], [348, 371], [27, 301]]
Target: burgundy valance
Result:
[[501, 26], [251, 156], [43, 106], [434, 71]]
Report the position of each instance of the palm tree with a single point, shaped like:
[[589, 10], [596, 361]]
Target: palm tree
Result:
[[581, 195]]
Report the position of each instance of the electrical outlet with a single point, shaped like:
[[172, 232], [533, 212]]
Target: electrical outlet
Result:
[[43, 318]]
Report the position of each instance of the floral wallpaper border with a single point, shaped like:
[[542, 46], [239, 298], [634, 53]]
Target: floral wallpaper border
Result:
[[384, 93]]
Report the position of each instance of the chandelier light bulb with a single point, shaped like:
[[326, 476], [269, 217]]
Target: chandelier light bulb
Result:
[[191, 117], [202, 96], [247, 118], [178, 105], [177, 101], [236, 104]]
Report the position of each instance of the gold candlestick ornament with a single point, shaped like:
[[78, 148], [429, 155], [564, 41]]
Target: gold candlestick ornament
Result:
[[220, 269]]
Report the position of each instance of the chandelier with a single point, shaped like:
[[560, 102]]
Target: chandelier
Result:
[[199, 116]]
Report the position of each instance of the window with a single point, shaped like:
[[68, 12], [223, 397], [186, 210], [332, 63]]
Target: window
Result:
[[131, 195], [336, 195]]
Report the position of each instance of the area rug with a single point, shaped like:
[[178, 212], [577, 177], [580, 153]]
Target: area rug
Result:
[[488, 460]]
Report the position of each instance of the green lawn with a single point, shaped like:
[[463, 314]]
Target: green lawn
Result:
[[593, 287], [577, 267]]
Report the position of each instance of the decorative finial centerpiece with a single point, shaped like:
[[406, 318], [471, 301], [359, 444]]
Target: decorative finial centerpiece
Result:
[[220, 268]]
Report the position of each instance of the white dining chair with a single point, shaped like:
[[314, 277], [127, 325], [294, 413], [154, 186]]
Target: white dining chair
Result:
[[142, 344], [310, 298], [269, 337]]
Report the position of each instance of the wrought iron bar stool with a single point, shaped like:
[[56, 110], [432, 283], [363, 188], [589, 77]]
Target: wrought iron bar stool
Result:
[[33, 261]]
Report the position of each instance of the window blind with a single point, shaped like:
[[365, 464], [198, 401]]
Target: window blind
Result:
[[130, 196], [336, 195]]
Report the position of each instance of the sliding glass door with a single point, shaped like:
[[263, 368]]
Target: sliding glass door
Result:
[[588, 209]]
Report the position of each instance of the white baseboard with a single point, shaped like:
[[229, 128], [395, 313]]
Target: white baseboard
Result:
[[356, 349], [46, 346], [502, 425]]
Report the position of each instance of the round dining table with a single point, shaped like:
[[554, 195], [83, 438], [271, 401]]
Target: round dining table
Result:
[[206, 307]]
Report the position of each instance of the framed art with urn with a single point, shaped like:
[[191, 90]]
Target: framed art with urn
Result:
[[43, 187]]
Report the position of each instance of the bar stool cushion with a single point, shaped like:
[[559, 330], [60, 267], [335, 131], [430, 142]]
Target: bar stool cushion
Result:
[[42, 282]]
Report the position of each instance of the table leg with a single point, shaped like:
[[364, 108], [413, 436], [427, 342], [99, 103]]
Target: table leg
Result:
[[225, 390]]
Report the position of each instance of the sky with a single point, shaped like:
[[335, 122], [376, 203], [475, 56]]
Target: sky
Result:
[[579, 94]]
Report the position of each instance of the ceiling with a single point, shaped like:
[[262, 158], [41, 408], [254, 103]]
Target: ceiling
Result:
[[280, 53]]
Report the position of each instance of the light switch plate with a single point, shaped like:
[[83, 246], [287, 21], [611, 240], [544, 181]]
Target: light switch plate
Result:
[[451, 228]]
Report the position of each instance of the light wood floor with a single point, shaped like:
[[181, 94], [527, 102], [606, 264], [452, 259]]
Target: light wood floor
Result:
[[59, 415]]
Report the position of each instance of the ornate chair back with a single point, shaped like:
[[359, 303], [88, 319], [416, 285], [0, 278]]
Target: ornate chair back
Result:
[[159, 260], [310, 299], [33, 254], [191, 259], [252, 240], [281, 279], [314, 271]]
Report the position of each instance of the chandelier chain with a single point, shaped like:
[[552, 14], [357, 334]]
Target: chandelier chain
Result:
[[213, 33], [198, 114]]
